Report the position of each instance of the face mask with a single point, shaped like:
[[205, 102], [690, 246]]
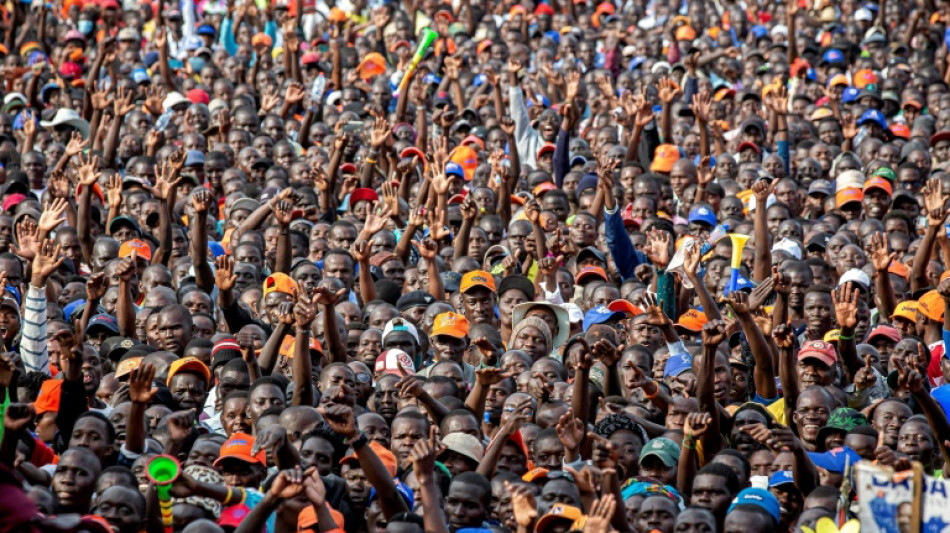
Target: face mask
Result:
[[85, 27]]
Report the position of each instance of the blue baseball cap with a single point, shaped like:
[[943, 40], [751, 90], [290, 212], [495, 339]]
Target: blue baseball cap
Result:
[[760, 498], [454, 169], [875, 116], [72, 307], [553, 35], [194, 158], [832, 56], [781, 478], [103, 320], [216, 249], [677, 364], [759, 31], [742, 283], [850, 95], [206, 29], [599, 315], [942, 395], [834, 460], [140, 75], [701, 213]]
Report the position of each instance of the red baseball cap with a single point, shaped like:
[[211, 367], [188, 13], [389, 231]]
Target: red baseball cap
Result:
[[821, 350]]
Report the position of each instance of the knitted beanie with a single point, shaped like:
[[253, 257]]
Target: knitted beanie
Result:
[[533, 321]]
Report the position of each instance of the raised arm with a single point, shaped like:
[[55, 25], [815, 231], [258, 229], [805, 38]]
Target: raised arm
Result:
[[762, 268], [764, 372], [304, 313], [936, 214]]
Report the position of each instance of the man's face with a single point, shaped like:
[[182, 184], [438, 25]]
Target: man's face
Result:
[[264, 397], [340, 267], [117, 505], [74, 481], [406, 432], [709, 491], [188, 390], [175, 330], [478, 305], [465, 506]]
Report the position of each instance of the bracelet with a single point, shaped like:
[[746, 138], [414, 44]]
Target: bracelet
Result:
[[846, 337], [357, 442], [370, 160], [656, 391], [227, 499]]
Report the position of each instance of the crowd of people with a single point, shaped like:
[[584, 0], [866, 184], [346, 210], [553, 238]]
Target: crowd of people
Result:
[[459, 267]]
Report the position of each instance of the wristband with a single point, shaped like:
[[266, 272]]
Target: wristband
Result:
[[357, 442], [227, 499], [846, 337]]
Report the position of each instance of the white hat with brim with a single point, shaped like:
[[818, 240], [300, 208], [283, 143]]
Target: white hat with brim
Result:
[[563, 320], [67, 117], [174, 98], [465, 445]]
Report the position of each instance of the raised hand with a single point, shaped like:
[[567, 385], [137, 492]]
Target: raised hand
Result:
[[739, 302], [759, 294], [778, 101], [27, 239], [288, 484], [658, 248], [523, 505], [154, 96], [655, 315], [845, 300], [570, 430], [381, 133], [305, 311], [165, 181], [605, 352], [881, 258], [284, 212], [338, 411], [327, 298], [314, 488], [702, 107], [780, 281], [428, 249], [96, 287], [865, 376], [224, 276], [124, 103], [469, 208], [48, 258], [668, 91], [285, 313], [360, 251], [88, 175], [76, 145], [934, 199], [53, 216], [697, 424], [762, 189], [18, 416], [692, 259], [714, 333], [425, 451], [783, 336], [114, 192], [58, 185], [601, 513], [376, 219], [126, 268], [141, 386], [201, 200]]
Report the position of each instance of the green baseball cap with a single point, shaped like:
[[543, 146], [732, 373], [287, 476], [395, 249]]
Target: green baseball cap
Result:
[[667, 451], [886, 173], [843, 420]]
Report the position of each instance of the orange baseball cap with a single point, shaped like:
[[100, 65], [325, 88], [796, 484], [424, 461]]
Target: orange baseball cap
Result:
[[685, 33], [289, 343], [665, 157], [838, 79], [542, 188], [337, 15], [899, 269], [724, 93], [625, 307], [466, 158], [820, 114], [900, 130], [846, 196], [931, 305], [907, 310], [692, 320], [239, 447], [280, 282], [517, 9], [308, 518], [546, 148], [589, 271], [878, 182], [451, 324], [48, 399], [474, 139], [372, 65], [864, 77], [126, 366], [142, 249], [189, 364], [477, 278], [385, 456], [261, 38]]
